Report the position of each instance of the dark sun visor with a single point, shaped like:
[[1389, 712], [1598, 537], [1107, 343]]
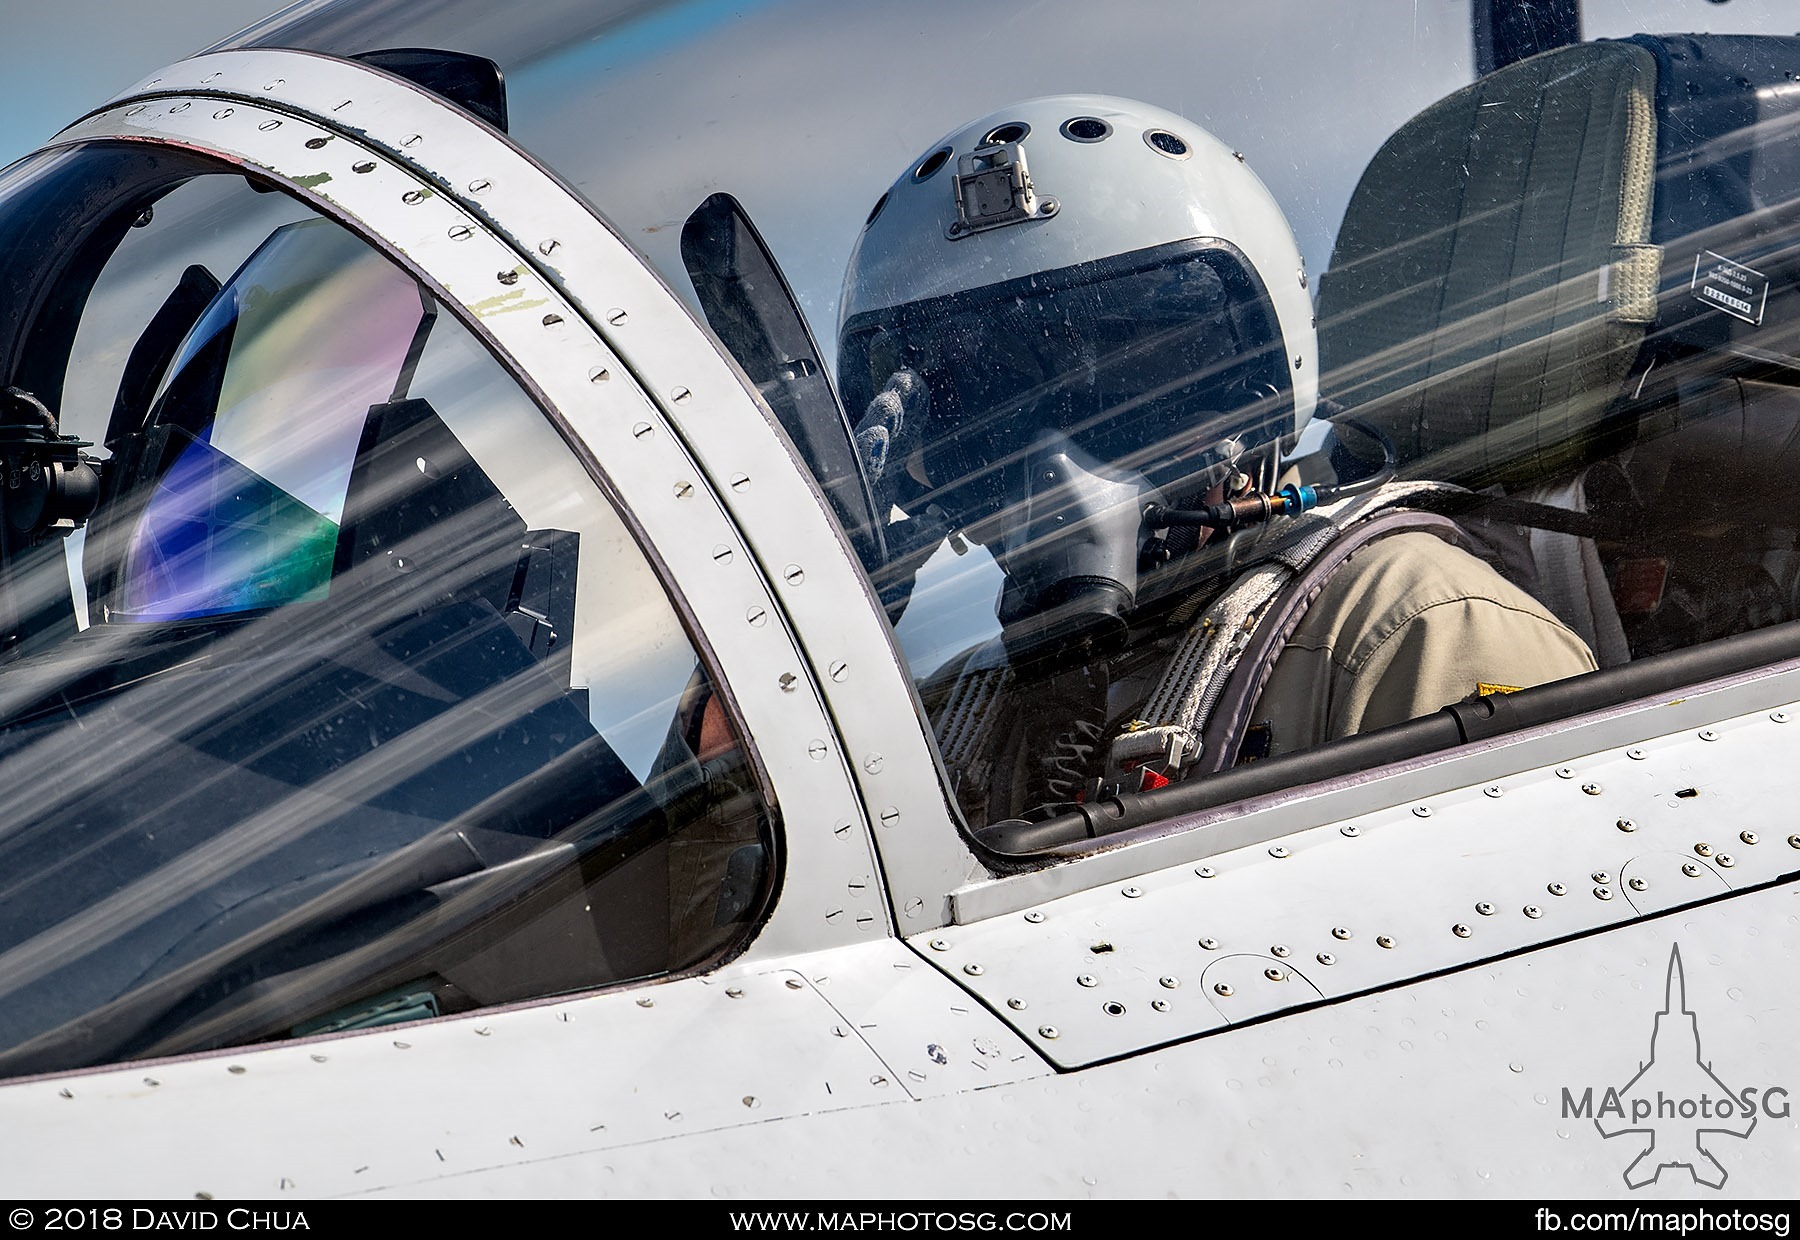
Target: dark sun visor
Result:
[[1146, 360]]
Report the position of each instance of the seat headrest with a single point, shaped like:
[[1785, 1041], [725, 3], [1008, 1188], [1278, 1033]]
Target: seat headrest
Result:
[[1494, 274]]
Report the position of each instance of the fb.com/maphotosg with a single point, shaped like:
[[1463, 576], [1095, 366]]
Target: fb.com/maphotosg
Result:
[[1663, 1222]]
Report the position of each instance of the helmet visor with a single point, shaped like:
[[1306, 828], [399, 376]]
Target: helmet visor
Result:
[[1164, 362]]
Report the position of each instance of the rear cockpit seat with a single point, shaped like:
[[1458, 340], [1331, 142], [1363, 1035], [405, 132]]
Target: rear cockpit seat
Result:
[[1570, 282]]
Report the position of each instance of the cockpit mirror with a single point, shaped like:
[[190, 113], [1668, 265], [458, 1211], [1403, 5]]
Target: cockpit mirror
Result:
[[473, 83], [749, 305]]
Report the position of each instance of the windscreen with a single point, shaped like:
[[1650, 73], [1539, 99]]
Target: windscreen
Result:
[[355, 701]]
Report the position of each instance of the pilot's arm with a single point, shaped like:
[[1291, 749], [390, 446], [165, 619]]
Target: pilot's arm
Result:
[[1410, 624]]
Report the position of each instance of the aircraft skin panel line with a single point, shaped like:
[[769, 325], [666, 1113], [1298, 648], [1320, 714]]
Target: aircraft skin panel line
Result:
[[1450, 1087], [1368, 902], [543, 1081], [1347, 1098]]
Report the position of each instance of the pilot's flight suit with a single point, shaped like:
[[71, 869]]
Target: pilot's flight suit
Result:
[[1409, 624], [1387, 618], [1364, 613]]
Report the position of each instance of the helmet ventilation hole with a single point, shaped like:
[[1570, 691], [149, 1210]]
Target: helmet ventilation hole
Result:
[[1085, 129], [931, 164], [875, 210], [1166, 143], [1011, 131]]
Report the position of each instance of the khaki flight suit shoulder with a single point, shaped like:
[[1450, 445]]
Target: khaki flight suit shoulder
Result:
[[1408, 625]]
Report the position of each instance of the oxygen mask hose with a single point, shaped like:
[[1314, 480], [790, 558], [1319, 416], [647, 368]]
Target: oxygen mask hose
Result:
[[1252, 509], [1256, 507]]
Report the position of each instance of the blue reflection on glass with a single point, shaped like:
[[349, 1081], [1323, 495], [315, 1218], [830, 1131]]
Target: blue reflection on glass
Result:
[[273, 386], [219, 538]]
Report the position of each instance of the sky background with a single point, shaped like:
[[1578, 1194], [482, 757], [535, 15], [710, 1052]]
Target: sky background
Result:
[[60, 58], [700, 95]]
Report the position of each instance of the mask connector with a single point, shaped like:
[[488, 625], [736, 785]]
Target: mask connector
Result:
[[1253, 509]]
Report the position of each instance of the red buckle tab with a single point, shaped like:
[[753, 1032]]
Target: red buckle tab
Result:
[[1638, 585]]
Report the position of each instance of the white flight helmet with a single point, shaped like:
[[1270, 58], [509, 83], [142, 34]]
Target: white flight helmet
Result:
[[1101, 177], [1080, 291]]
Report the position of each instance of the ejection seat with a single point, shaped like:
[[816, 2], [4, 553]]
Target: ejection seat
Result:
[[1572, 283]]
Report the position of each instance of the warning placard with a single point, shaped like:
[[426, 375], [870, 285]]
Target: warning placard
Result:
[[1732, 287]]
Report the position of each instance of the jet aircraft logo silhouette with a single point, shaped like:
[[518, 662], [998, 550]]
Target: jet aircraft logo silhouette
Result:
[[1675, 1100]]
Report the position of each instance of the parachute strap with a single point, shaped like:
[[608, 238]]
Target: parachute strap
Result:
[[1231, 716], [965, 726], [1173, 733]]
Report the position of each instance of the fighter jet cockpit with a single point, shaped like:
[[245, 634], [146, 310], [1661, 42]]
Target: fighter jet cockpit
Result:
[[501, 509], [1155, 502]]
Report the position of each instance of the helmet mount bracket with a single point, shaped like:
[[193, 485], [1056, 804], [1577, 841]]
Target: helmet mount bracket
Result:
[[992, 187]]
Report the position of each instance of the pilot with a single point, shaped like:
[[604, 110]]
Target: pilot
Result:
[[1081, 338]]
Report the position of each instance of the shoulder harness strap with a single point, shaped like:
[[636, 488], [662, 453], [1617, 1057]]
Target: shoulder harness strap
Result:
[[1197, 714]]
